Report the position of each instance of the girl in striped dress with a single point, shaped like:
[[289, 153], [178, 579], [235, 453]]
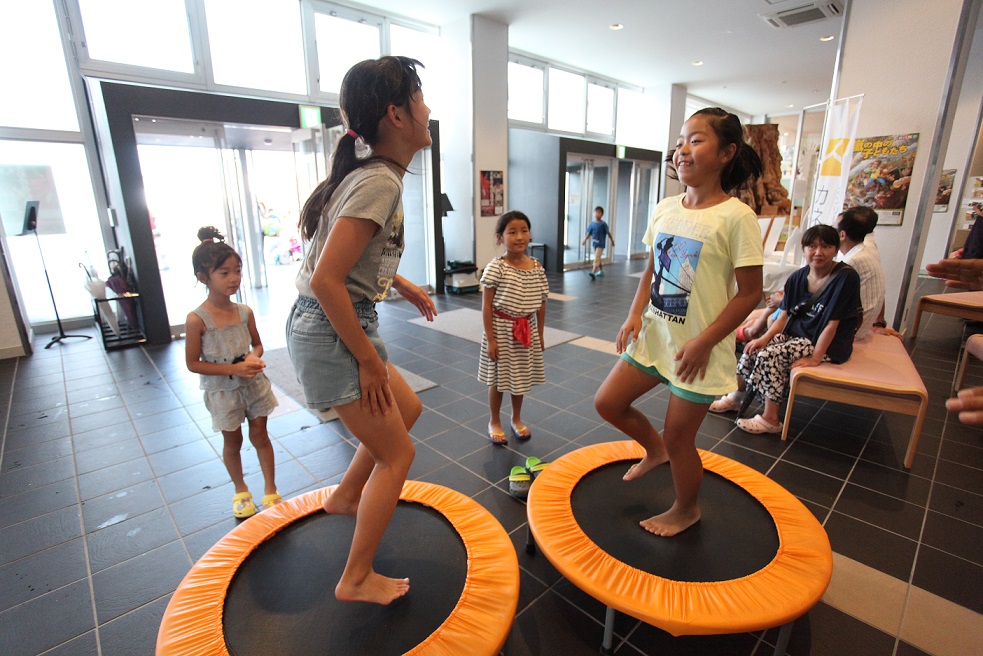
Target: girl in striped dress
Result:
[[513, 309]]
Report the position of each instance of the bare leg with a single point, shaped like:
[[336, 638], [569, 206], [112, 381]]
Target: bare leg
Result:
[[344, 500], [232, 459], [495, 410], [683, 419], [770, 413], [613, 401], [385, 439], [264, 451], [517, 424]]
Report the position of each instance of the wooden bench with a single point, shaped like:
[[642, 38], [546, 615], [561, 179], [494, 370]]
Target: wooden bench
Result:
[[966, 305], [879, 375]]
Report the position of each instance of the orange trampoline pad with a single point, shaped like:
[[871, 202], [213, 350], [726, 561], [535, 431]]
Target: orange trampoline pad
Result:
[[479, 624], [783, 590]]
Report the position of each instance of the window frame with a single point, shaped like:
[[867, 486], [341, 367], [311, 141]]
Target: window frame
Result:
[[543, 67], [309, 11]]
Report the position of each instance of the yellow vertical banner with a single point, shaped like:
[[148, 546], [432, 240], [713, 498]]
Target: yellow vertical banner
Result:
[[842, 117]]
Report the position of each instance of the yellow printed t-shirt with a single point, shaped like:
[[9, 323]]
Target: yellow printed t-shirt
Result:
[[695, 254]]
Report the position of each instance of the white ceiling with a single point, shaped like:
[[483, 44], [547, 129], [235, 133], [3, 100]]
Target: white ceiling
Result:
[[748, 65]]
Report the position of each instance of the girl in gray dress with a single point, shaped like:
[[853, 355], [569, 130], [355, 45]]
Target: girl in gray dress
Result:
[[223, 345]]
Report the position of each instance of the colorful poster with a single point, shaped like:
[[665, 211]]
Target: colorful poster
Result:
[[839, 131], [944, 191], [492, 193], [880, 174]]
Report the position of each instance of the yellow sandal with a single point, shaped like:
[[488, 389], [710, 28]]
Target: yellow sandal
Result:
[[271, 500], [243, 506]]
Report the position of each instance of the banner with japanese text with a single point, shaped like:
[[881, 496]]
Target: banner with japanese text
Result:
[[842, 117]]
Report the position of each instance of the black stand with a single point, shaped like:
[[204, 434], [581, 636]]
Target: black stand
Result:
[[31, 223]]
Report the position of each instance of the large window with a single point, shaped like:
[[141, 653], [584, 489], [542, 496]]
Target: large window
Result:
[[425, 47], [342, 43], [561, 100], [30, 48], [56, 175], [151, 34], [566, 101], [257, 44], [525, 93], [600, 109]]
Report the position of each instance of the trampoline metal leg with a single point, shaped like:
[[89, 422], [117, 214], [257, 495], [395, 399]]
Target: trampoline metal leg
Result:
[[783, 635], [608, 631], [530, 543]]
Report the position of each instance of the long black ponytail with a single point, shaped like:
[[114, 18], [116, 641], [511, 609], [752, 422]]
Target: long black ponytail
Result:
[[367, 91], [744, 167]]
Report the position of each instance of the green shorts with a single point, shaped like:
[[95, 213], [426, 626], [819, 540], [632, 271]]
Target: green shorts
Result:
[[686, 395]]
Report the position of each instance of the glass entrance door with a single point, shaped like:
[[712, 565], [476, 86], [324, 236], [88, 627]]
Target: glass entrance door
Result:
[[589, 183], [246, 181]]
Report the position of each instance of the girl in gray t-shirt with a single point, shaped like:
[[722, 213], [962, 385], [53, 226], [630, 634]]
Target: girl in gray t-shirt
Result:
[[354, 223]]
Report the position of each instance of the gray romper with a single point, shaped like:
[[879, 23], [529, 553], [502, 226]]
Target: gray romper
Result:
[[230, 399]]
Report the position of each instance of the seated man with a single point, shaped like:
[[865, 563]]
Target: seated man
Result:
[[853, 226]]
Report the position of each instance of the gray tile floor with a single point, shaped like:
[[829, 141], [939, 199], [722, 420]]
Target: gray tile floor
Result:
[[111, 485]]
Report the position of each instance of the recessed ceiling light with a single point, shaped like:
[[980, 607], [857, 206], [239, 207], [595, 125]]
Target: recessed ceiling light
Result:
[[790, 106], [698, 63], [828, 37], [616, 26]]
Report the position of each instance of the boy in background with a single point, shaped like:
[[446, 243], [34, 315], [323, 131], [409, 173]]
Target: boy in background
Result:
[[599, 232]]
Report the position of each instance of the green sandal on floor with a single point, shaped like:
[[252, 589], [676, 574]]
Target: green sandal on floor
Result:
[[534, 465], [520, 480]]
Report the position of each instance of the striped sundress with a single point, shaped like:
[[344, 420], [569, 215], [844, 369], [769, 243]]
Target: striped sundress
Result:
[[518, 293]]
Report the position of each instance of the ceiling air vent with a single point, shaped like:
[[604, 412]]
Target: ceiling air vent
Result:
[[816, 11]]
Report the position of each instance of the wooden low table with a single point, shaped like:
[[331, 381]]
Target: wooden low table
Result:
[[965, 305]]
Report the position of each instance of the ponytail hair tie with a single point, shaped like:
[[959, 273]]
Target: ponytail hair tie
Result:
[[351, 133]]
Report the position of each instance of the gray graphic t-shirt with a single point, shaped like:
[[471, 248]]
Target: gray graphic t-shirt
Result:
[[373, 192]]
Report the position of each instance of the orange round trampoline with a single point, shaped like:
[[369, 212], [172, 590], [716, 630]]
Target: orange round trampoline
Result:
[[268, 585], [758, 559]]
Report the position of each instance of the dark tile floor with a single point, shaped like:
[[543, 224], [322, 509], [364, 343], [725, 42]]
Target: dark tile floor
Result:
[[111, 485]]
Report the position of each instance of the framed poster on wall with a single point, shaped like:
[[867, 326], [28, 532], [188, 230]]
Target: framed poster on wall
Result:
[[492, 193], [944, 191], [880, 173]]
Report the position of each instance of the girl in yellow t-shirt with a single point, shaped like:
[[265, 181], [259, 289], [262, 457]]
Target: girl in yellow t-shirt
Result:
[[680, 328]]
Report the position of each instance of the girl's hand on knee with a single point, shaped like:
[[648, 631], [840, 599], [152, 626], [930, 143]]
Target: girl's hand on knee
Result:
[[628, 333], [693, 358], [377, 396]]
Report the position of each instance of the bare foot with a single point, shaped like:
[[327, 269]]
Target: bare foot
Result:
[[671, 522], [644, 466], [376, 589], [337, 504]]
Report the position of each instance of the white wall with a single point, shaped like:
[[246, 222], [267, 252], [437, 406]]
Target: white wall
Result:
[[490, 94], [902, 95]]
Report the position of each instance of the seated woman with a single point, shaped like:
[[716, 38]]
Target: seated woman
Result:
[[819, 316]]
